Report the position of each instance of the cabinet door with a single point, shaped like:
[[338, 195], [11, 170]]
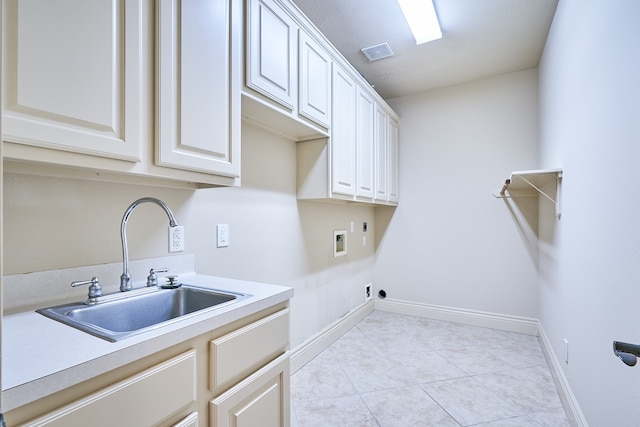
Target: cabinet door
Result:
[[141, 400], [73, 76], [198, 94], [393, 161], [343, 133], [272, 52], [260, 400], [315, 81], [381, 155], [365, 144]]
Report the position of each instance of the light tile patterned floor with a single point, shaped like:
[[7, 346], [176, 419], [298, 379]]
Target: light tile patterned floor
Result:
[[405, 371]]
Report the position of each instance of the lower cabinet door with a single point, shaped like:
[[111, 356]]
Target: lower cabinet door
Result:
[[144, 399], [261, 400]]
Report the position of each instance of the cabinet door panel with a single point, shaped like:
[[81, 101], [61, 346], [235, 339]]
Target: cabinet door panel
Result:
[[365, 144], [315, 81], [198, 95], [393, 161], [273, 58], [73, 76], [343, 133], [235, 354], [382, 155], [260, 400], [142, 400]]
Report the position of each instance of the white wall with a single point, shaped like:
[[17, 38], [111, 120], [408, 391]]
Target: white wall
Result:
[[52, 223], [450, 241], [590, 277]]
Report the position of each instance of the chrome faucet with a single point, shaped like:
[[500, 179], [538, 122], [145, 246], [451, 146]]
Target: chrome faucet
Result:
[[125, 278]]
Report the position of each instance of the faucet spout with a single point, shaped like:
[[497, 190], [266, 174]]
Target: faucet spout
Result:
[[125, 278]]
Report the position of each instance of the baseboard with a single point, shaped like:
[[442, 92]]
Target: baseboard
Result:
[[574, 413], [312, 347], [521, 325]]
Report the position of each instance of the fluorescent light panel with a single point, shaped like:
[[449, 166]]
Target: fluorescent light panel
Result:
[[422, 19]]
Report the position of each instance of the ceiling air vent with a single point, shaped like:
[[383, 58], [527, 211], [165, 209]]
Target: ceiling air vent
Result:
[[377, 52]]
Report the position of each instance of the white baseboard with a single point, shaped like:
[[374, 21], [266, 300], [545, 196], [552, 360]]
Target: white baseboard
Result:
[[574, 413], [521, 325], [305, 352]]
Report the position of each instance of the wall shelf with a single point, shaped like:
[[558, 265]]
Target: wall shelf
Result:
[[531, 183]]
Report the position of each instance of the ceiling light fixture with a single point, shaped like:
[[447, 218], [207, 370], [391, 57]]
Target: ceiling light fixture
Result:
[[422, 19]]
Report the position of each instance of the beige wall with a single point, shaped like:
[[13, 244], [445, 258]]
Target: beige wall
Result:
[[451, 242], [53, 223], [590, 259]]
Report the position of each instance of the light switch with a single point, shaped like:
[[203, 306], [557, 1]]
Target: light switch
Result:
[[223, 235]]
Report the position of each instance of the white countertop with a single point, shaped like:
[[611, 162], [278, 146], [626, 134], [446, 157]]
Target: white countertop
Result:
[[41, 356]]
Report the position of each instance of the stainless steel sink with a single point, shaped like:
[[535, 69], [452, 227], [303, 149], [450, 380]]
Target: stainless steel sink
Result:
[[121, 318]]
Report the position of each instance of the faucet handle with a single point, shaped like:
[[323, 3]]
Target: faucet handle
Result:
[[95, 290], [152, 279]]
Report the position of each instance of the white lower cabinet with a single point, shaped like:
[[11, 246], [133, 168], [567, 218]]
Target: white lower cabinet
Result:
[[141, 400], [237, 375], [261, 400]]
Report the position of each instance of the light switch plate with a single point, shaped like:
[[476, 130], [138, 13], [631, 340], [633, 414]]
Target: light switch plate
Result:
[[222, 231]]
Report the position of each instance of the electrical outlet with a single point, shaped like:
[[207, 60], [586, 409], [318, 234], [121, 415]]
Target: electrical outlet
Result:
[[176, 238], [367, 292], [223, 235]]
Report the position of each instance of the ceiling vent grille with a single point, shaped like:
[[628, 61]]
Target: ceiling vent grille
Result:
[[377, 52]]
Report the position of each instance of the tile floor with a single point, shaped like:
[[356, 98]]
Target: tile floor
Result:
[[405, 371]]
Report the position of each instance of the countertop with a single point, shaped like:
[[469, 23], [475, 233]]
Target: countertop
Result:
[[41, 356]]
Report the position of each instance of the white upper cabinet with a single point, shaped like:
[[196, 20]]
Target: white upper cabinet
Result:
[[287, 86], [198, 108], [72, 76], [386, 158], [343, 133], [365, 116], [393, 161], [125, 90], [381, 142], [272, 62], [315, 81]]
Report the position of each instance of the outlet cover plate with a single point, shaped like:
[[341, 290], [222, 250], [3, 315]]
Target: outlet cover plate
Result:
[[176, 238]]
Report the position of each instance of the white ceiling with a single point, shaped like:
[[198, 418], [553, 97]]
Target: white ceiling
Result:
[[480, 38]]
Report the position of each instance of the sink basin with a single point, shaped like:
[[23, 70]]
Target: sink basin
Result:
[[121, 318]]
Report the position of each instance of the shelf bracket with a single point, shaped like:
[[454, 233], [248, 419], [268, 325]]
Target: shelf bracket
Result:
[[524, 177]]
